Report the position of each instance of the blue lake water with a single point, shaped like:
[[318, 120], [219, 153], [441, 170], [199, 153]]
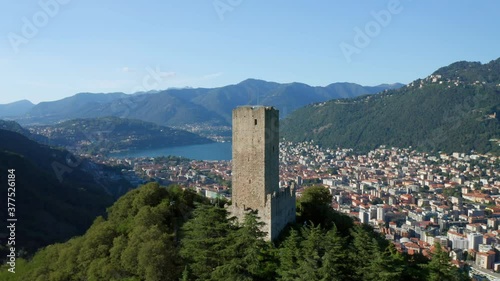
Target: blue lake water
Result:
[[211, 151]]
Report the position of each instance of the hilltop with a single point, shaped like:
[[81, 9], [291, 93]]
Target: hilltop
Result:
[[16, 108], [455, 109]]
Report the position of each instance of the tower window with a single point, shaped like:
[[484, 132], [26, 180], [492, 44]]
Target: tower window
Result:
[[255, 121]]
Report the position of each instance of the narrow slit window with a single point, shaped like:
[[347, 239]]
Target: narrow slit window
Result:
[[255, 122]]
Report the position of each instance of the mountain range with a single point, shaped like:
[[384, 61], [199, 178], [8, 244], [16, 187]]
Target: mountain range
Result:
[[455, 109], [14, 109], [190, 107]]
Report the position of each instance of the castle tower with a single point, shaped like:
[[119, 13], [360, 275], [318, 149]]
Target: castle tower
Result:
[[255, 171]]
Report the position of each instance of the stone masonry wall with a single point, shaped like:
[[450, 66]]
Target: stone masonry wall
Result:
[[255, 171]]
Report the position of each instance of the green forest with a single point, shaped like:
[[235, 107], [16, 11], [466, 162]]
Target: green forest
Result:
[[167, 233]]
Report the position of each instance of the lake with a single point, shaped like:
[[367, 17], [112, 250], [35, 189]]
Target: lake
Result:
[[211, 151]]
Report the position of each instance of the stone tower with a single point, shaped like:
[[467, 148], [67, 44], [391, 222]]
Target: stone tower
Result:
[[255, 171]]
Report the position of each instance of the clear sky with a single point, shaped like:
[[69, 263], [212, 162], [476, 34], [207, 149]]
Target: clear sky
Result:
[[57, 49]]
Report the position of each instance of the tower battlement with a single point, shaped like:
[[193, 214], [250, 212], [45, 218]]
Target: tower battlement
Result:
[[255, 171]]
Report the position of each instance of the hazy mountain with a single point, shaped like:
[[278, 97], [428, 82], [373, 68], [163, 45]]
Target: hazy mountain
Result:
[[14, 109], [389, 86], [194, 107], [57, 195], [112, 133], [168, 108], [454, 109], [68, 108], [286, 97]]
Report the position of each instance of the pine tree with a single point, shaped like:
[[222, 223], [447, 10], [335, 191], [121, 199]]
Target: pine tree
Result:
[[245, 254], [205, 239], [289, 257], [363, 249], [334, 261], [312, 252]]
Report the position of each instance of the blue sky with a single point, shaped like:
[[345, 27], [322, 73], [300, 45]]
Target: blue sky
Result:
[[54, 50]]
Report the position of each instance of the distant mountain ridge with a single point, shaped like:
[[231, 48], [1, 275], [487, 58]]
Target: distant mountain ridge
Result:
[[16, 108], [75, 106], [455, 109], [192, 106]]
